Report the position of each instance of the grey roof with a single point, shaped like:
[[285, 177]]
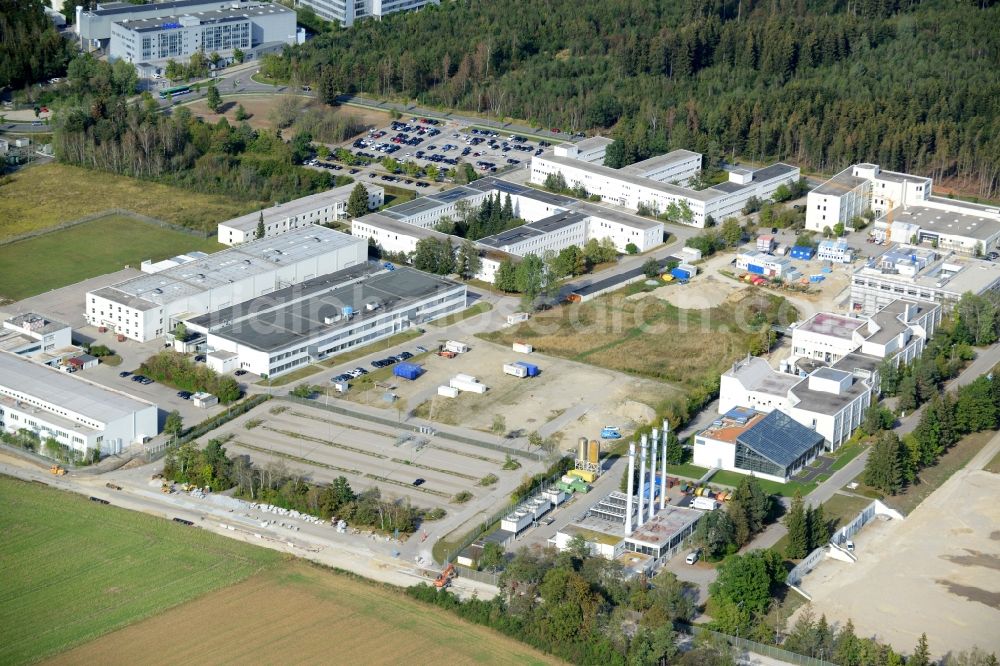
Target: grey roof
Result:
[[616, 174], [557, 221], [831, 374], [896, 177], [858, 361], [834, 325], [843, 182], [62, 389], [729, 187], [204, 17], [780, 439], [824, 402], [492, 183], [301, 320], [48, 325], [612, 215], [256, 257], [509, 237], [645, 166], [112, 8], [452, 195], [972, 223], [296, 207], [756, 375]]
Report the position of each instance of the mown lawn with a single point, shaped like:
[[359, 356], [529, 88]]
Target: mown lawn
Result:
[[75, 569], [773, 487], [87, 250], [44, 196]]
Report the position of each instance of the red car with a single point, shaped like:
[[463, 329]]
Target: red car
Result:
[[556, 130]]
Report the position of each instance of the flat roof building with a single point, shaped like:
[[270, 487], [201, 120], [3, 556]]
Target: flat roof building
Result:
[[33, 335], [346, 12], [920, 273], [664, 534], [75, 412], [251, 28], [658, 182], [320, 208], [326, 315], [149, 306]]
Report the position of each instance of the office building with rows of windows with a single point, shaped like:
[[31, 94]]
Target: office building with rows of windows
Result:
[[251, 29], [346, 12]]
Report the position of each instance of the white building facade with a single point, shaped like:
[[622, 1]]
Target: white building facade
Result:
[[75, 412], [149, 306], [321, 208], [346, 12]]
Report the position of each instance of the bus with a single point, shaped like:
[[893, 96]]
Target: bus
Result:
[[167, 93]]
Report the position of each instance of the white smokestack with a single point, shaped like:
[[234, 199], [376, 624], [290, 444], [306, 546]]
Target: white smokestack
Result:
[[631, 488], [642, 480], [663, 465], [652, 477]]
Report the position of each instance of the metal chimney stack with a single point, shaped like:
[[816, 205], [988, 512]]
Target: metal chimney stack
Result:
[[663, 465], [642, 480], [652, 477], [631, 488]]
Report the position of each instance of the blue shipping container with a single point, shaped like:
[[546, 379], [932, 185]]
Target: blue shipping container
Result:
[[681, 274], [530, 367], [755, 269], [407, 370], [802, 252]]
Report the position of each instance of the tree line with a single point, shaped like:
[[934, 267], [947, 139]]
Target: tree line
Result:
[[822, 83], [210, 467], [895, 463], [183, 373], [31, 49]]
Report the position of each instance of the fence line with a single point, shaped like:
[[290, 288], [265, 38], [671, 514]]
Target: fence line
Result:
[[760, 648], [852, 528], [152, 451], [100, 215], [481, 576]]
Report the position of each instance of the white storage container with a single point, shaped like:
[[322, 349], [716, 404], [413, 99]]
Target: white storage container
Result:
[[522, 348], [515, 370], [448, 391]]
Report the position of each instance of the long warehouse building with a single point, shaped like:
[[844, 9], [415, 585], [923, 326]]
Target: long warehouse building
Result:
[[149, 306], [75, 412], [325, 316]]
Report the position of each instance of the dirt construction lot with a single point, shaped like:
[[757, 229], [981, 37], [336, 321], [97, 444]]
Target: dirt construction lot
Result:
[[323, 445], [301, 615], [938, 571], [566, 400]]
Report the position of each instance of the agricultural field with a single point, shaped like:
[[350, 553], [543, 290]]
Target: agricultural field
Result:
[[75, 570], [301, 614], [86, 250], [648, 337], [47, 195]]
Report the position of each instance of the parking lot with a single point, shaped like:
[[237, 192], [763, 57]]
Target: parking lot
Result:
[[321, 445], [440, 144]]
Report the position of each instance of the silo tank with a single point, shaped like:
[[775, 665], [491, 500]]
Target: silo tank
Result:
[[581, 452], [595, 451]]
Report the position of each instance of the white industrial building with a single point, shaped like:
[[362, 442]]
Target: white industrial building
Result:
[[94, 25], [346, 12], [554, 222], [320, 208], [34, 336], [835, 251], [830, 401], [149, 306], [75, 412], [152, 40], [324, 316], [898, 332], [920, 273], [906, 210], [658, 182], [763, 264]]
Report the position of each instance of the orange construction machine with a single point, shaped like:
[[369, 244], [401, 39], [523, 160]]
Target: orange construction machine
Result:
[[444, 578]]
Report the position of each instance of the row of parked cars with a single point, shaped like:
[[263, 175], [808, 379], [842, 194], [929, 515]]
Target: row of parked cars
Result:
[[350, 374], [136, 378], [398, 358]]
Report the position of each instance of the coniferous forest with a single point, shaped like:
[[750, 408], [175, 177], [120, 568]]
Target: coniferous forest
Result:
[[823, 83]]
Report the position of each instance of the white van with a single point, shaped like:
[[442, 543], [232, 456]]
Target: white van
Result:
[[693, 556]]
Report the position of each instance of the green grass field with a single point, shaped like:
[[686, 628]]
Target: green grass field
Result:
[[784, 489], [75, 569], [477, 309], [993, 465], [103, 246], [44, 196]]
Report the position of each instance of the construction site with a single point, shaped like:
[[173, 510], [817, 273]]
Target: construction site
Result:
[[563, 400]]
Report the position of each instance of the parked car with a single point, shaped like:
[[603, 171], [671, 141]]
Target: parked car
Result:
[[421, 349], [147, 381], [360, 371], [418, 482], [693, 556], [184, 395], [124, 373], [137, 378], [200, 358], [849, 545], [240, 373], [403, 356]]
